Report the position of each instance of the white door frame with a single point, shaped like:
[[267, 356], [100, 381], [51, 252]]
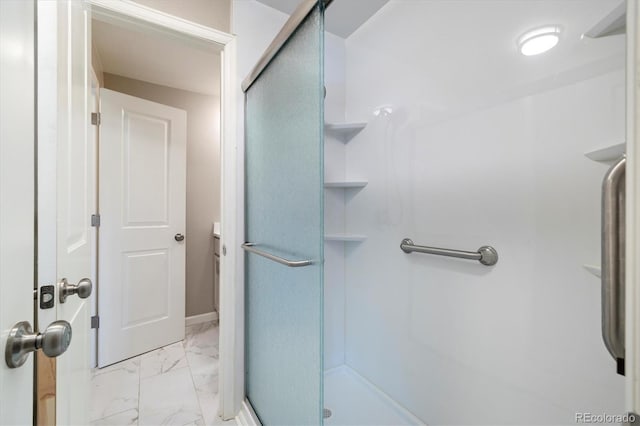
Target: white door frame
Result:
[[129, 13], [632, 291]]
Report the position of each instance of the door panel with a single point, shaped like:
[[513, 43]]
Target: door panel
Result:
[[16, 198], [146, 147], [142, 208], [75, 203], [140, 306], [284, 217]]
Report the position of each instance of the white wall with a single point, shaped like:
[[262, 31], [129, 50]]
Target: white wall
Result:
[[255, 26], [484, 147], [211, 13]]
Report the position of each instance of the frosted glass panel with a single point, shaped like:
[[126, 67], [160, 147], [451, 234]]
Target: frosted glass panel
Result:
[[284, 216]]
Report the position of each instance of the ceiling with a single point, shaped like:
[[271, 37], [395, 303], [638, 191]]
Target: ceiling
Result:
[[461, 56], [156, 58], [342, 17]]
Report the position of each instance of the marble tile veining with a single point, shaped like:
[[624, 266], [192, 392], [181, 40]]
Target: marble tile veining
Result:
[[131, 366], [202, 340], [205, 380], [202, 352], [163, 360], [169, 399], [173, 385], [126, 418], [116, 391]]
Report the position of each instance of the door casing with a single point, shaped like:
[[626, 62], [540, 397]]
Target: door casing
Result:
[[142, 18]]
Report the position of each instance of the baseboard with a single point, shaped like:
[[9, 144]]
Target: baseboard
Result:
[[199, 319], [246, 416]]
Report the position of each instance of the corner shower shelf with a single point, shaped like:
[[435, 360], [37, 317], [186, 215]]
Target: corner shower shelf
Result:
[[346, 184], [345, 237], [344, 131], [593, 269], [614, 23], [609, 153]]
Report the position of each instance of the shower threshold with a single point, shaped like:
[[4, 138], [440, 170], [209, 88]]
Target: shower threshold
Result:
[[353, 400]]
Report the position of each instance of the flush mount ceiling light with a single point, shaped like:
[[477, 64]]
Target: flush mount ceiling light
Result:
[[540, 40]]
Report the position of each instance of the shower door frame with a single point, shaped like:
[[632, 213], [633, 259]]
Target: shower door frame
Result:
[[632, 291], [246, 415]]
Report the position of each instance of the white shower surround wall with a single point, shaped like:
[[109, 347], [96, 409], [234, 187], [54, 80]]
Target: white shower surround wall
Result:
[[334, 205], [460, 166]]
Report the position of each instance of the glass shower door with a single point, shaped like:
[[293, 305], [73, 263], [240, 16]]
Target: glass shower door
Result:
[[284, 231]]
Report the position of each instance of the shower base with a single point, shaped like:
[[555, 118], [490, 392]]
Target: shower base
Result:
[[353, 400]]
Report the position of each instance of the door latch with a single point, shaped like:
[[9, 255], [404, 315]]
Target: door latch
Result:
[[47, 296]]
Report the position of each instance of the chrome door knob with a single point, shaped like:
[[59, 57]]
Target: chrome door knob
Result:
[[22, 341], [179, 237], [82, 289]]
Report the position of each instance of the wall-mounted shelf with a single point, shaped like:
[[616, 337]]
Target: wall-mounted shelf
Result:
[[344, 131], [345, 237], [612, 24], [346, 184], [593, 269], [609, 153]]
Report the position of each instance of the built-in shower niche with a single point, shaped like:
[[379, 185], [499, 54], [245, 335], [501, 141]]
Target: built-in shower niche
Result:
[[337, 135]]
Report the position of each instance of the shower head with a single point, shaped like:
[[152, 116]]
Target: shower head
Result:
[[383, 111]]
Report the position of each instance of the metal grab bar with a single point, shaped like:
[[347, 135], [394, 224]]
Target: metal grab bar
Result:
[[486, 255], [613, 297], [281, 260]]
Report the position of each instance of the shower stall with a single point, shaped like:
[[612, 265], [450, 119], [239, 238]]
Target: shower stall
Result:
[[423, 215]]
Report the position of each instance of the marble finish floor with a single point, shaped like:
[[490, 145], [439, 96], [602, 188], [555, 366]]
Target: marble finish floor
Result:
[[173, 385]]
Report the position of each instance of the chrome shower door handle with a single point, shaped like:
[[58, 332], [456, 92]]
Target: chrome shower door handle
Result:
[[250, 247], [613, 252]]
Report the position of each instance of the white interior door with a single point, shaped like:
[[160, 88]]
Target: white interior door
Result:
[[142, 210], [75, 203], [16, 199]]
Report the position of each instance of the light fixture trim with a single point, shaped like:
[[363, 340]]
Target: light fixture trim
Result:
[[539, 40]]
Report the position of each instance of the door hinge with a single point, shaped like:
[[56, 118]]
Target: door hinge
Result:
[[95, 118], [95, 220], [95, 321]]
